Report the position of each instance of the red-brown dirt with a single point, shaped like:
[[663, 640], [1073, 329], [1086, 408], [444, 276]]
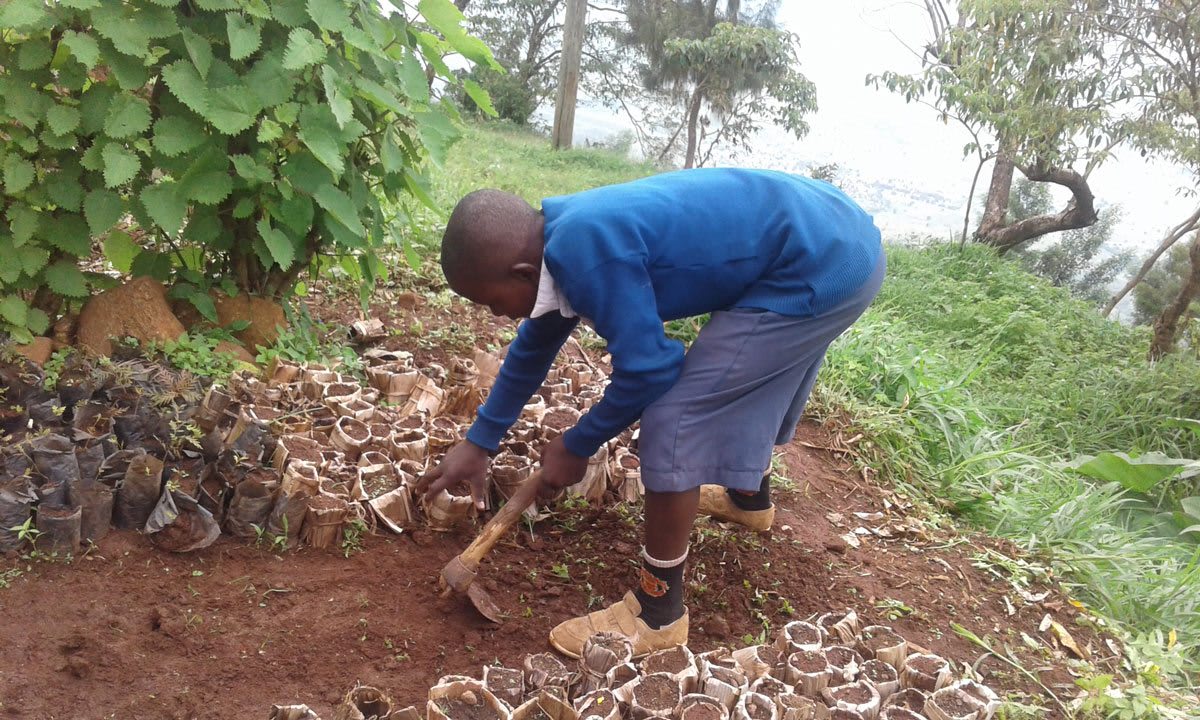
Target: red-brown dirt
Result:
[[129, 631]]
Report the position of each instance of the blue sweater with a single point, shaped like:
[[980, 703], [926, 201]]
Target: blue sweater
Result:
[[629, 257]]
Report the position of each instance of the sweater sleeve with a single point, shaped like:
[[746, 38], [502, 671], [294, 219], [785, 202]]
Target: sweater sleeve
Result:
[[522, 373], [619, 299]]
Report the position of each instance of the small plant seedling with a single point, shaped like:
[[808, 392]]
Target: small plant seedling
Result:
[[561, 570], [352, 537]]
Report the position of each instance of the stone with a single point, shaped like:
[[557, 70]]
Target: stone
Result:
[[38, 351], [263, 315], [137, 309], [232, 348]]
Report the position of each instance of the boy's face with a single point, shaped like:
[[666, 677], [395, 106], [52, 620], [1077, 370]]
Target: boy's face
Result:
[[511, 297]]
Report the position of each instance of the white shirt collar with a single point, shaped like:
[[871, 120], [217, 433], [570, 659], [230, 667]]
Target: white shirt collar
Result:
[[550, 298]]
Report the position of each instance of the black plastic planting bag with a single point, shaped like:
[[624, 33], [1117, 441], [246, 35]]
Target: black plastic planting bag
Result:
[[179, 524], [138, 492], [89, 458], [250, 507], [96, 503], [58, 529], [46, 414], [16, 505], [54, 458], [112, 470]]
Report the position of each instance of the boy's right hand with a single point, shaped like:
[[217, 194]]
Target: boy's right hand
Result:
[[466, 463]]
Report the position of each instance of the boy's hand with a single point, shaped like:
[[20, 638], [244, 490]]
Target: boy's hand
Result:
[[560, 468], [466, 463]]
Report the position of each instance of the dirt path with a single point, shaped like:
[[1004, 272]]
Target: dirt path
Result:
[[132, 632]]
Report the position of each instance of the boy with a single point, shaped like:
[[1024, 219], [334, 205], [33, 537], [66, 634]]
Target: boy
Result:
[[783, 263]]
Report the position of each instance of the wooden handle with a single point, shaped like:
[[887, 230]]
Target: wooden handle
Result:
[[502, 521]]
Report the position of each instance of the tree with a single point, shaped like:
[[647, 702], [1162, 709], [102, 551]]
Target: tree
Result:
[[525, 36], [1166, 325], [247, 141], [1077, 260], [1161, 285], [1159, 40], [1032, 84], [687, 69]]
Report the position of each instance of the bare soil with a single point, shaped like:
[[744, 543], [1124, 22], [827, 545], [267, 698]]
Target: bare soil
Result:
[[656, 692]]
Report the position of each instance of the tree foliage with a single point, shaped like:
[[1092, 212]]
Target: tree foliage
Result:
[[1031, 82], [526, 37], [1162, 285], [239, 140], [687, 69]]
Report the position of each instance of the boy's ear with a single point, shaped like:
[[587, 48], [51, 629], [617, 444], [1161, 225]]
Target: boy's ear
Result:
[[526, 273]]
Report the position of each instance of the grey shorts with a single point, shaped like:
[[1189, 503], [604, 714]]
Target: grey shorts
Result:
[[744, 386]]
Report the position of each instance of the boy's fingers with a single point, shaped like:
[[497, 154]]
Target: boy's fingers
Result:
[[479, 494], [427, 478]]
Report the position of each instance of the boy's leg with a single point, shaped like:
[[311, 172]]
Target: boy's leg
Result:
[[667, 527]]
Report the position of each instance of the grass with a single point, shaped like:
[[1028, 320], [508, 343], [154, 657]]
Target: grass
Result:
[[974, 383]]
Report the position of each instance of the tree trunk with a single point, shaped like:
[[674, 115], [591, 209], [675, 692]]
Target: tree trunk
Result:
[[1171, 238], [995, 208], [1080, 212], [462, 5], [693, 120], [1167, 324]]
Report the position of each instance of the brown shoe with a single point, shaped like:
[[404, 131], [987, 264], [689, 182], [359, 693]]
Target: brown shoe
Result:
[[715, 502], [622, 618]]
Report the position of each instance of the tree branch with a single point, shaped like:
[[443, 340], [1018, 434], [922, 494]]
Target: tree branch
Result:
[[1080, 211], [1170, 239]]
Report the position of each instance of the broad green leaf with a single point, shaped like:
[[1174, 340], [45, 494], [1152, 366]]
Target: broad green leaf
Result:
[[208, 180], [438, 133], [22, 223], [176, 134], [1188, 423], [25, 104], [93, 108], [128, 33], [244, 208], [149, 263], [18, 14], [257, 8], [64, 278], [83, 46], [165, 206], [1139, 474], [329, 15], [80, 4], [250, 170], [120, 249], [268, 131], [303, 49], [297, 213], [37, 321], [203, 302], [277, 241], [14, 310], [70, 234], [289, 13], [337, 95], [131, 72], [479, 96], [233, 109], [340, 206], [18, 174], [305, 172], [120, 164], [320, 133], [412, 76], [244, 36], [200, 50], [187, 85], [10, 272], [103, 209], [217, 4], [269, 82], [128, 115], [32, 259], [34, 53], [1191, 506], [64, 190], [380, 95], [447, 19], [390, 155], [62, 119]]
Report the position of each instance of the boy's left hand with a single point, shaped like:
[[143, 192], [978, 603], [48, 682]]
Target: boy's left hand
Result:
[[561, 468]]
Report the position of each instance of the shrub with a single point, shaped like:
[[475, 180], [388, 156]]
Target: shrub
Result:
[[230, 142]]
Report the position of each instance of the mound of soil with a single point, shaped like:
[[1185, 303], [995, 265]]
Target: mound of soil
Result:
[[137, 309]]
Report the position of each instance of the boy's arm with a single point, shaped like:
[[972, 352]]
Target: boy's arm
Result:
[[522, 373], [619, 299]]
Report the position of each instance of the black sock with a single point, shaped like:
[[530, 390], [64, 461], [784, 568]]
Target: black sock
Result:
[[660, 592], [760, 500]]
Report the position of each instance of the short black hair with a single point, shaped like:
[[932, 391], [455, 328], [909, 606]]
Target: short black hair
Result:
[[484, 236]]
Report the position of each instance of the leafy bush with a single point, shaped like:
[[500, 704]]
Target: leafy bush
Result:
[[512, 99], [246, 139]]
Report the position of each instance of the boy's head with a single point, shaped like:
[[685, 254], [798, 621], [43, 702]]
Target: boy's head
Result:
[[492, 252]]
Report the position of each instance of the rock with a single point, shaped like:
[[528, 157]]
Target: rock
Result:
[[38, 351], [836, 545], [137, 309], [232, 348], [717, 626], [408, 300], [263, 315]]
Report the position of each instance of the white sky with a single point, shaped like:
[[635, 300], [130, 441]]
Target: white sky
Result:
[[875, 136]]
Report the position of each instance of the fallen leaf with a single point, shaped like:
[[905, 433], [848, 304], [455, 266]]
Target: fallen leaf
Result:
[[852, 540], [1068, 642], [1044, 625]]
